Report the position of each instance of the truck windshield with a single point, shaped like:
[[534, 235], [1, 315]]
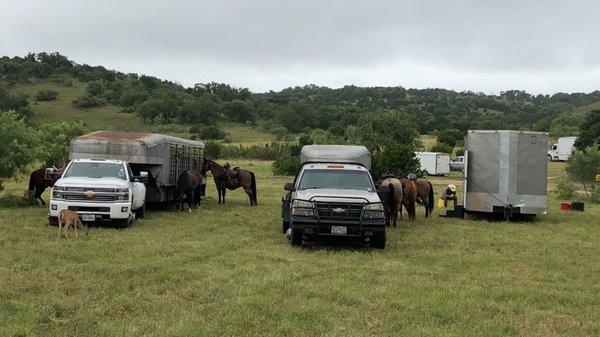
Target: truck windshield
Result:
[[344, 179], [95, 170]]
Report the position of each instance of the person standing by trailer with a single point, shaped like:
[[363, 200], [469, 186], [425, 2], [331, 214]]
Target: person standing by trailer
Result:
[[449, 193]]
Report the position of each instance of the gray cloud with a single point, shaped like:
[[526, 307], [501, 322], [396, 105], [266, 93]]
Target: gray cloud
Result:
[[487, 46]]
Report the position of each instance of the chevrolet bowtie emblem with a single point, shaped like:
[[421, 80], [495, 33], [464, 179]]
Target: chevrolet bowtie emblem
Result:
[[338, 210], [89, 194]]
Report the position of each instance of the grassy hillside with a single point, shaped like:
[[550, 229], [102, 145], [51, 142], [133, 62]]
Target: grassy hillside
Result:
[[228, 271], [61, 109], [111, 118]]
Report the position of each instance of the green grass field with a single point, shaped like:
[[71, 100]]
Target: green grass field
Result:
[[228, 271]]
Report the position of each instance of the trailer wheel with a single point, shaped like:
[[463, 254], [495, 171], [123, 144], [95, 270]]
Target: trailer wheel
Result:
[[549, 158], [296, 239]]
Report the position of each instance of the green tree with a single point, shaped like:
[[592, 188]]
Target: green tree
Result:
[[583, 166], [398, 159], [590, 131], [449, 137], [564, 125], [18, 145], [381, 129], [55, 139], [238, 111]]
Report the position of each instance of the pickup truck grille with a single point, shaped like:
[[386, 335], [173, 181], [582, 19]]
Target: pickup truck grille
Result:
[[90, 194], [335, 210]]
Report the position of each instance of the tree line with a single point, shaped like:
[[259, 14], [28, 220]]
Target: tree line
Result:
[[388, 120]]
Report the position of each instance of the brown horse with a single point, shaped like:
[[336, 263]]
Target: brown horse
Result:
[[189, 183], [425, 192], [410, 198], [237, 177], [394, 199], [227, 178], [40, 179]]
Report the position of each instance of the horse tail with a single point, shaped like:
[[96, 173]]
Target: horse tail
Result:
[[253, 187], [430, 197]]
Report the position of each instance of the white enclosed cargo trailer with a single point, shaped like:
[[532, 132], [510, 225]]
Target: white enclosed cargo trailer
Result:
[[506, 172], [434, 163], [163, 156]]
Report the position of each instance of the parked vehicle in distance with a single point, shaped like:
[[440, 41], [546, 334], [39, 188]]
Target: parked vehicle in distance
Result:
[[562, 149], [333, 195], [457, 164], [99, 190], [434, 163]]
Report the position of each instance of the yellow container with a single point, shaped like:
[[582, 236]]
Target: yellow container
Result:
[[441, 203]]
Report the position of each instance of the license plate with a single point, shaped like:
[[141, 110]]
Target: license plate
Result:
[[339, 230], [88, 217]]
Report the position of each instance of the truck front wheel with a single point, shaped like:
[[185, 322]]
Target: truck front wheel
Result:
[[296, 239], [121, 223], [141, 212], [53, 221], [378, 241], [285, 225]]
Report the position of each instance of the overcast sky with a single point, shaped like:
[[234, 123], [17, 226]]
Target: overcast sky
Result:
[[482, 46]]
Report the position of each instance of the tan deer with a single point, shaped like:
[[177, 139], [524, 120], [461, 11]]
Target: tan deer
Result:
[[68, 218]]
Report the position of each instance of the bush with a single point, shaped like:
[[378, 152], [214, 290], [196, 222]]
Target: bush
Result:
[[88, 101], [286, 165], [212, 150], [46, 95], [439, 147], [565, 190], [208, 132]]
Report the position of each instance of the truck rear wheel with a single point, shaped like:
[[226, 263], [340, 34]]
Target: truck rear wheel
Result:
[[296, 239]]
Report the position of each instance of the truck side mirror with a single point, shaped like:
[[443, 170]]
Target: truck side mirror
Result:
[[289, 187], [142, 178]]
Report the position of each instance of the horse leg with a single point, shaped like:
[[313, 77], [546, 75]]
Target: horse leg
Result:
[[249, 193]]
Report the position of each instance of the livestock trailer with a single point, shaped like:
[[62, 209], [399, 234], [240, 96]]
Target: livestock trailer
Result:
[[506, 172], [434, 163], [163, 157]]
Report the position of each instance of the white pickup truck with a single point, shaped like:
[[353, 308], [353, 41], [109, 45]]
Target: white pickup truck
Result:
[[99, 190]]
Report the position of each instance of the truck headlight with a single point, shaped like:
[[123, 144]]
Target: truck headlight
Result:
[[374, 211], [58, 192], [303, 208], [122, 194]]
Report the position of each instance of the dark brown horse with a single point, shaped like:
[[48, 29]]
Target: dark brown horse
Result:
[[410, 198], [218, 173], [425, 192], [40, 179], [189, 184], [227, 178], [394, 199]]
